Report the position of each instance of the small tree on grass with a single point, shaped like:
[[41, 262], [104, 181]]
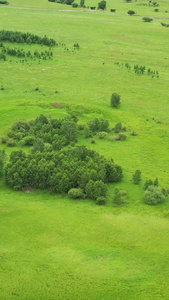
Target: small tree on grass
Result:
[[102, 5], [115, 100], [154, 195], [137, 177]]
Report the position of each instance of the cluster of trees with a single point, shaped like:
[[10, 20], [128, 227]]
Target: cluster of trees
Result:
[[56, 132], [60, 171], [28, 38], [22, 54], [50, 165]]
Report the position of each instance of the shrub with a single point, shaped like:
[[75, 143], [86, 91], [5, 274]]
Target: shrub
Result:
[[137, 177], [121, 137], [154, 195], [117, 199], [102, 134], [75, 5], [75, 193], [101, 201], [95, 189], [115, 100], [112, 10], [102, 5], [118, 127], [10, 143], [131, 12], [147, 19]]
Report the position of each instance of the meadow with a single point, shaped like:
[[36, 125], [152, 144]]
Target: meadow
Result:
[[56, 248]]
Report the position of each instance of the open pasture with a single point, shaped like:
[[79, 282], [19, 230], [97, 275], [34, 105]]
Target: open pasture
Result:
[[55, 248]]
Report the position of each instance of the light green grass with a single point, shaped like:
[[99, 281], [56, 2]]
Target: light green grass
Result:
[[55, 248]]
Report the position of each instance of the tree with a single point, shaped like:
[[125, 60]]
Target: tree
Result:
[[102, 5], [154, 195], [82, 3], [137, 177], [115, 100]]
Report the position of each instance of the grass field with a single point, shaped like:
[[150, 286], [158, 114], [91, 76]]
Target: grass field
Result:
[[55, 248]]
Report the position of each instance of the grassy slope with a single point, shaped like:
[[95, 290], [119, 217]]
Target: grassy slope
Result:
[[51, 247]]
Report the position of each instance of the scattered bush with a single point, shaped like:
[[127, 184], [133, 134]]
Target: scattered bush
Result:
[[112, 10], [118, 127], [102, 5], [153, 195], [131, 12], [102, 134], [121, 137], [137, 177], [75, 5], [147, 19], [115, 100]]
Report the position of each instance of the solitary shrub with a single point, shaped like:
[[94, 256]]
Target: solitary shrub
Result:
[[75, 193], [115, 100], [147, 19], [131, 12], [118, 127], [112, 10], [75, 5], [137, 177], [154, 195]]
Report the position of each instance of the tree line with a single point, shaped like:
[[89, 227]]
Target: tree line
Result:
[[28, 38]]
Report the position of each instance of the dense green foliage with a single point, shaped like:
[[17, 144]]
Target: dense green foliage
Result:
[[62, 171], [48, 166], [115, 100], [28, 38], [154, 195]]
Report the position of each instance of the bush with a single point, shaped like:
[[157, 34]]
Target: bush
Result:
[[154, 195], [11, 143], [102, 5], [118, 127], [146, 19], [121, 137], [112, 10], [115, 100], [75, 5], [75, 193], [131, 12], [137, 177], [102, 134], [101, 201]]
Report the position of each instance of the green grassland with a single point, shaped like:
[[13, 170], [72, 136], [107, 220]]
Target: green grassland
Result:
[[52, 247]]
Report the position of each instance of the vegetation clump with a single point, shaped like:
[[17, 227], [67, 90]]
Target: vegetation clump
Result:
[[115, 100], [154, 195], [28, 38], [77, 171]]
